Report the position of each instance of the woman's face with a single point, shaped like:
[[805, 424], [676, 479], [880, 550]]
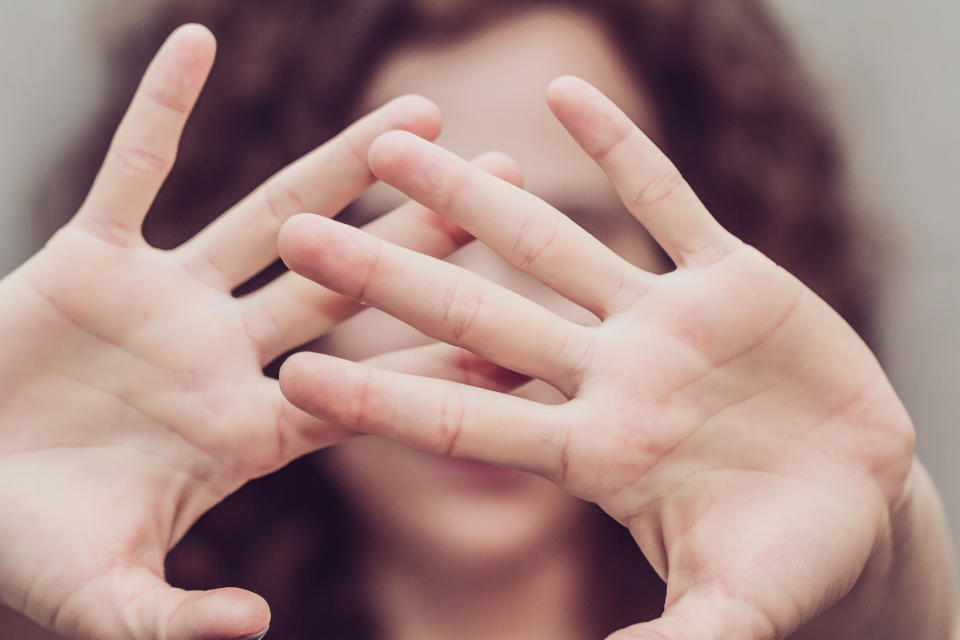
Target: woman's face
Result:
[[490, 88]]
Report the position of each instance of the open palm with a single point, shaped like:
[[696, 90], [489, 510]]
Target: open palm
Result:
[[723, 412], [132, 397]]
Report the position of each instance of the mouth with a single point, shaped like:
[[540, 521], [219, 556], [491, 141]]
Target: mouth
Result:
[[470, 474]]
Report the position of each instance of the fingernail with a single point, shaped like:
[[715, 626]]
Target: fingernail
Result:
[[256, 636]]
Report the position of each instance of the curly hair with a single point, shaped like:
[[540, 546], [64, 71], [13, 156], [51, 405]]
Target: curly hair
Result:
[[737, 116]]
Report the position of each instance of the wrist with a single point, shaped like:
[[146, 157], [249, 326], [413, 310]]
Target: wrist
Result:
[[908, 586]]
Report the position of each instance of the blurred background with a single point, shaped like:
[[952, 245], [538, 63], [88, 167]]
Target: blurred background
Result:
[[888, 73]]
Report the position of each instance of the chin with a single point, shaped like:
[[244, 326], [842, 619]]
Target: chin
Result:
[[498, 527]]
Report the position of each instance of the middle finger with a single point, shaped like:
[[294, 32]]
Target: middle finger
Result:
[[523, 229], [444, 301]]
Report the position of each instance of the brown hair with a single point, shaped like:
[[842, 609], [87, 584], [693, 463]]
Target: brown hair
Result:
[[736, 114]]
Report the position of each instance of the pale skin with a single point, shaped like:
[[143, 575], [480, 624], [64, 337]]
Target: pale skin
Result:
[[722, 412], [131, 393], [133, 398]]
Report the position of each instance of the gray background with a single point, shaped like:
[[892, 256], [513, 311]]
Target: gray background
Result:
[[888, 70]]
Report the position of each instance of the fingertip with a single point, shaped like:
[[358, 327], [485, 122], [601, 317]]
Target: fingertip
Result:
[[561, 89], [390, 146], [591, 118], [291, 237], [565, 95], [195, 31], [292, 372], [309, 244], [257, 636], [388, 151], [316, 383], [221, 614], [416, 114], [500, 165], [566, 82], [296, 226], [247, 611], [178, 72], [197, 39]]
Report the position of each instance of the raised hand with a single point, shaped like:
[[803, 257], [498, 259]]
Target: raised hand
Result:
[[723, 412], [132, 397]]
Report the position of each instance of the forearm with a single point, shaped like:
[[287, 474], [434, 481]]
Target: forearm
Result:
[[909, 589]]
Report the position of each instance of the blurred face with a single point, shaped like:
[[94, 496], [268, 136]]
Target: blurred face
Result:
[[490, 87]]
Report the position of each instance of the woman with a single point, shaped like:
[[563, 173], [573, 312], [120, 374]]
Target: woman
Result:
[[740, 199]]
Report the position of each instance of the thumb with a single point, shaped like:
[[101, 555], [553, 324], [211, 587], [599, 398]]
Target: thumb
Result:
[[702, 616], [220, 614], [166, 613]]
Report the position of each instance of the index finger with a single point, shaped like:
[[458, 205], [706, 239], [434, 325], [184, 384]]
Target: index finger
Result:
[[648, 183], [243, 240]]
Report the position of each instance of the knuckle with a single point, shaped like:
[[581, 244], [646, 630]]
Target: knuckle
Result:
[[112, 230], [562, 472], [143, 161], [356, 146], [602, 150], [629, 291], [661, 187], [457, 187], [451, 421], [281, 200], [362, 417], [536, 235], [462, 304], [370, 273], [584, 359], [263, 329], [577, 351], [170, 100], [205, 267]]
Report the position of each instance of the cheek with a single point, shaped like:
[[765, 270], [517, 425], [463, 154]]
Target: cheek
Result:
[[372, 471]]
